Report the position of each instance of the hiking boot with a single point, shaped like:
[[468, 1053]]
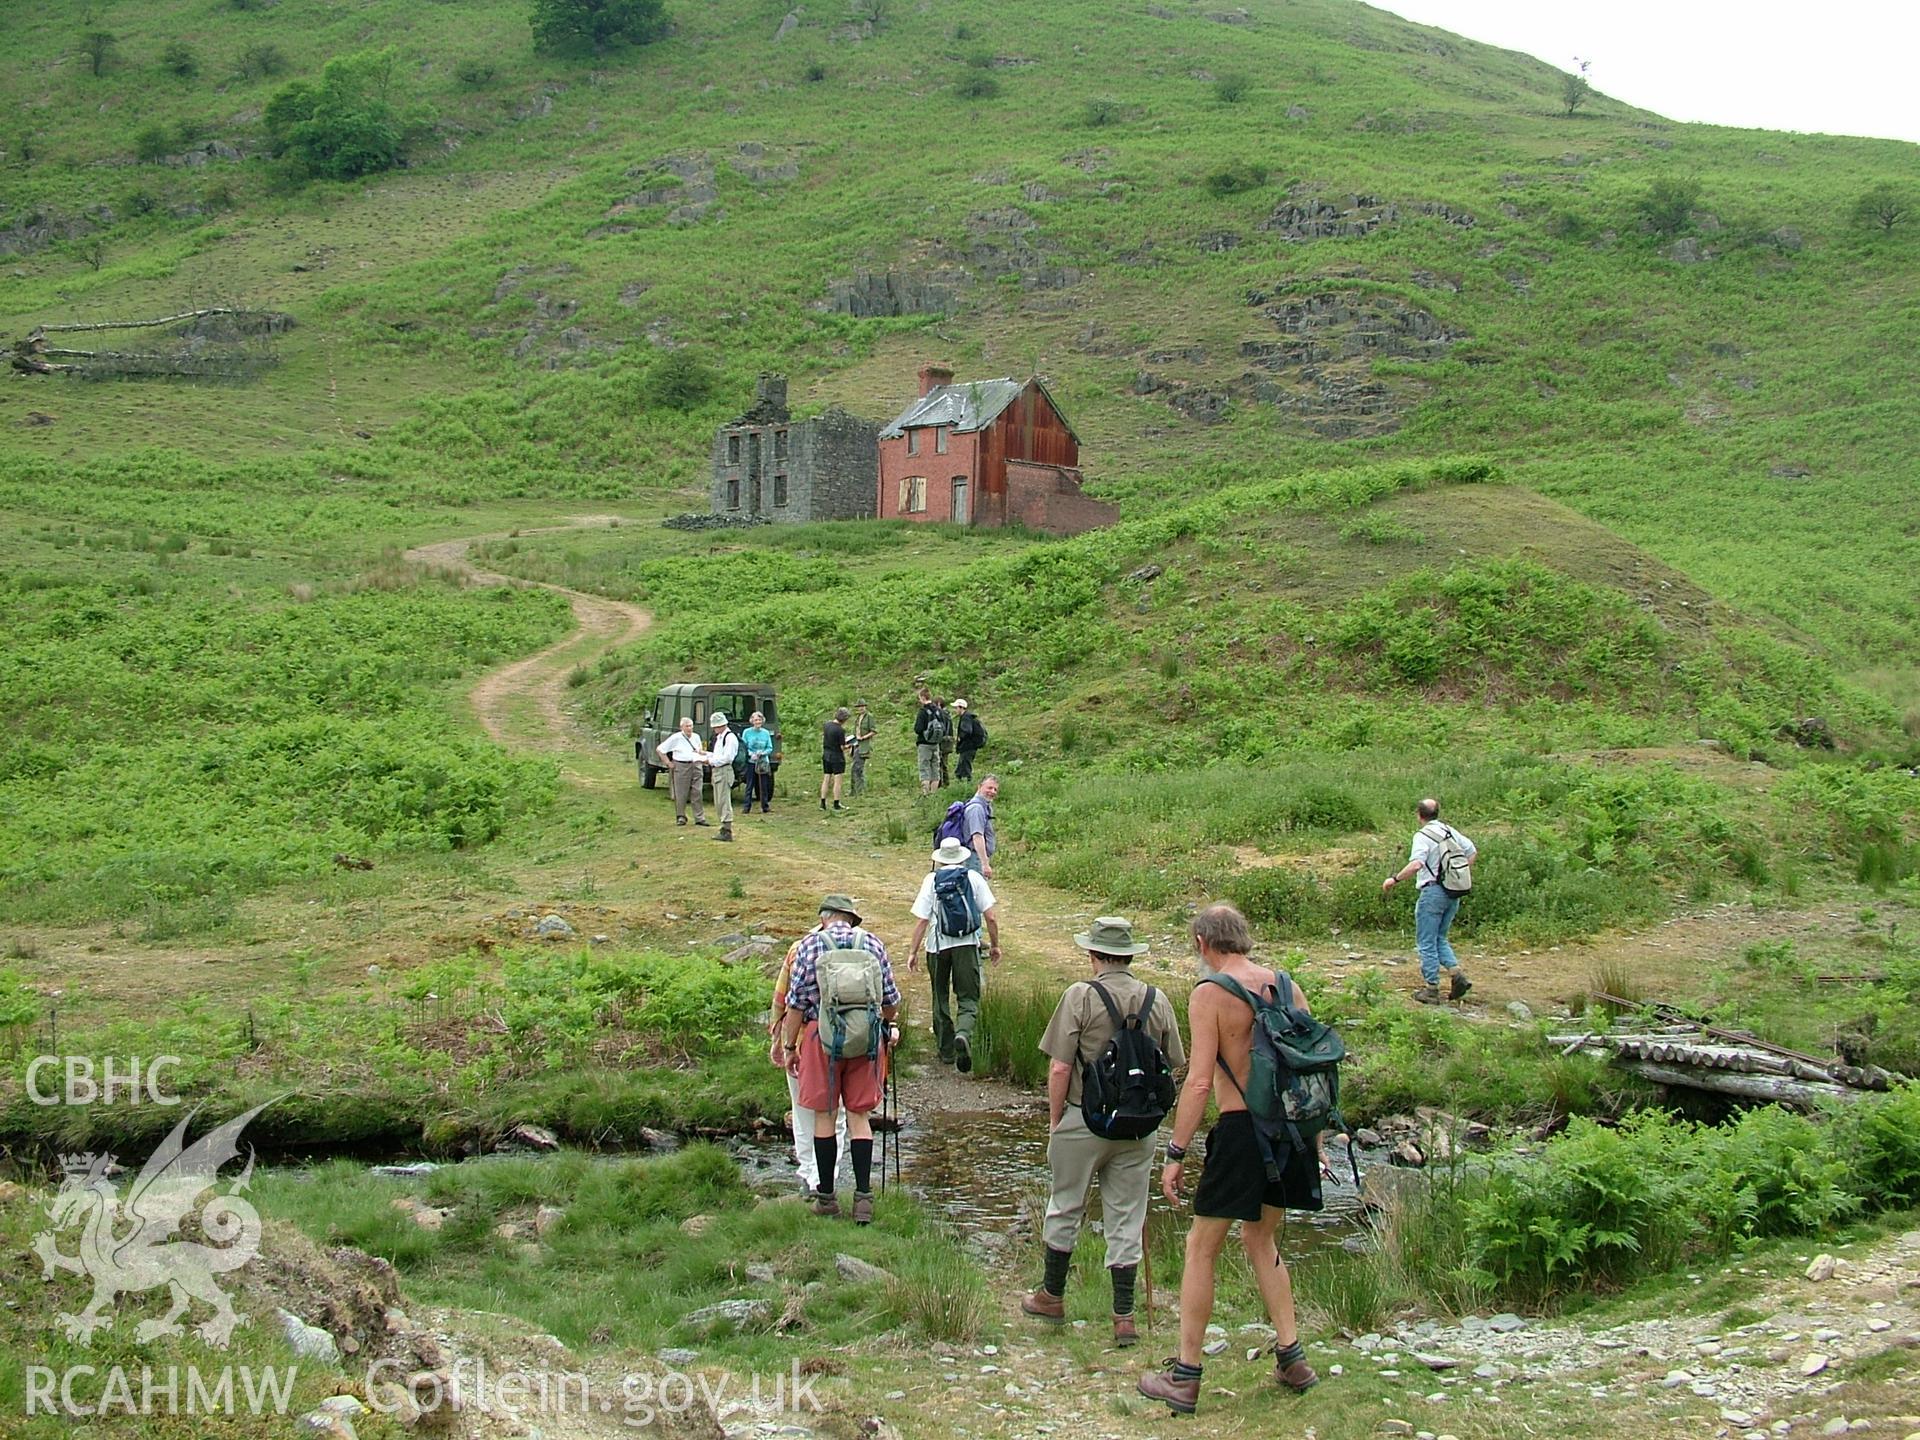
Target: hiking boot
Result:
[[1460, 987], [1428, 995], [1299, 1377], [838, 806], [1042, 1306], [962, 1055], [679, 819], [726, 833], [825, 1202], [823, 802], [1182, 1396], [862, 1208], [1124, 1332], [703, 824]]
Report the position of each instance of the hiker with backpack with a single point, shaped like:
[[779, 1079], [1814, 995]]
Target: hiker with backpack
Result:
[[841, 1002], [976, 827], [805, 1165], [1113, 1045], [721, 753], [969, 738], [861, 739], [929, 729], [1263, 1155], [948, 723], [953, 906], [1443, 859]]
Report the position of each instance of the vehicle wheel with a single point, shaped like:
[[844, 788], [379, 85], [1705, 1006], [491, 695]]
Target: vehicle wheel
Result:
[[648, 775]]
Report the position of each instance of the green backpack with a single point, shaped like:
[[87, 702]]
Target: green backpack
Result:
[[1293, 1082], [852, 990]]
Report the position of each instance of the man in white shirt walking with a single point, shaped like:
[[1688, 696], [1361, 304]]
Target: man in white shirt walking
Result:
[[686, 757], [720, 755], [954, 905], [1441, 857]]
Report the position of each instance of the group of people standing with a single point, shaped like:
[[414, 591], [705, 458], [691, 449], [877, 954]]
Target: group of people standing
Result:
[[941, 734], [693, 764]]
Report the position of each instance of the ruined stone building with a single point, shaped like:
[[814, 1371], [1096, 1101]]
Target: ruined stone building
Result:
[[767, 464], [985, 452]]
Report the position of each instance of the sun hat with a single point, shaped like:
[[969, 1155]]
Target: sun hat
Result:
[[719, 719], [959, 704], [1111, 935], [842, 904], [951, 852]]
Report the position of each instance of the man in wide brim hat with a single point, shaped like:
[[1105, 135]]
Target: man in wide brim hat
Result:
[[1084, 1022], [951, 890]]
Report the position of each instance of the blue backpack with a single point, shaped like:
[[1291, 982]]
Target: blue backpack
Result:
[[953, 900]]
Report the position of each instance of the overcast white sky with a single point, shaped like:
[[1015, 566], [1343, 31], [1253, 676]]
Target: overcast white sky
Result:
[[1845, 67]]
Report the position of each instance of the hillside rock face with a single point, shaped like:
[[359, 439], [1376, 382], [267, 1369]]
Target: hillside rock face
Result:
[[1320, 372]]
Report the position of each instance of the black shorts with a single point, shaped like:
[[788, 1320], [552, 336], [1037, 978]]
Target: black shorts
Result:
[[1234, 1184], [834, 762]]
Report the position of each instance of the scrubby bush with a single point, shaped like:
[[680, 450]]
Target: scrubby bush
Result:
[[1882, 208], [814, 73], [474, 74], [97, 48], [151, 143], [262, 61], [179, 59], [1232, 87], [1102, 111], [1666, 207], [976, 85], [1235, 178], [596, 25], [678, 380]]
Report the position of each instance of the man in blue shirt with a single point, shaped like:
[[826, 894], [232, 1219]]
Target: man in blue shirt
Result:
[[978, 822]]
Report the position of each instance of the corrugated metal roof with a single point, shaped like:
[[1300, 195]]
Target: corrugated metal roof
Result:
[[967, 405]]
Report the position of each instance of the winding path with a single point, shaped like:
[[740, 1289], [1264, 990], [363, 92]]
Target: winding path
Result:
[[541, 678]]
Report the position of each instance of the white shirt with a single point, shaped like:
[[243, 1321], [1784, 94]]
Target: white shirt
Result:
[[724, 749], [681, 746], [1426, 843], [925, 907]]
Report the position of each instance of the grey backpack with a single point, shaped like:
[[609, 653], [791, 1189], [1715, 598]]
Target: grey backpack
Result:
[[852, 990], [1452, 866]]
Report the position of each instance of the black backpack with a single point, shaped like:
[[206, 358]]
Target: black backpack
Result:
[[1128, 1090], [955, 904]]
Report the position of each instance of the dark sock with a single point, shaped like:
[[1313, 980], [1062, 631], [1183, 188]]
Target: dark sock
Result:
[[1184, 1371], [1122, 1287], [826, 1155], [1292, 1355], [862, 1164], [1057, 1262]]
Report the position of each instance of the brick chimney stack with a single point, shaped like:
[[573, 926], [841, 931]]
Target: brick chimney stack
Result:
[[934, 376]]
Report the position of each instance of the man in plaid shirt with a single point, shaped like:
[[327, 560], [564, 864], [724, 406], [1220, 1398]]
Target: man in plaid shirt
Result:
[[825, 1083]]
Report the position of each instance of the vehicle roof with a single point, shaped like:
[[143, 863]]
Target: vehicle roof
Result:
[[707, 688]]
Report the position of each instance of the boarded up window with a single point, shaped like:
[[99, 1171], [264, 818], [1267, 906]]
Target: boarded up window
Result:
[[913, 494]]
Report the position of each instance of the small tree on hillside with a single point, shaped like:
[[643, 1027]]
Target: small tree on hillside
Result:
[[347, 125], [179, 58], [1574, 85], [97, 47], [596, 24], [678, 380], [1883, 206]]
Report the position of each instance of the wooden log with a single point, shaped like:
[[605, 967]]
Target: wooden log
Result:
[[1747, 1087]]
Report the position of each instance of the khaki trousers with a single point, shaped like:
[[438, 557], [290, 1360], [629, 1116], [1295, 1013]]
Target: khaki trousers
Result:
[[723, 792], [1124, 1168], [686, 789]]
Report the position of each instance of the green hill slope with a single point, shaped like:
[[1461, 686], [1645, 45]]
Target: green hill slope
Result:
[[487, 313]]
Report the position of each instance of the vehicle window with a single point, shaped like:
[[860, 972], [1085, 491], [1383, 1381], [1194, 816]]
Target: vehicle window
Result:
[[699, 712]]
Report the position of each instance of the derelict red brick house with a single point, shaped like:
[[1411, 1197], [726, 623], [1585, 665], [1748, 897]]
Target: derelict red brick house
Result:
[[985, 452]]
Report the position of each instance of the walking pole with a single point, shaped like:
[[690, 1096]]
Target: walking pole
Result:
[[1146, 1251], [886, 1127]]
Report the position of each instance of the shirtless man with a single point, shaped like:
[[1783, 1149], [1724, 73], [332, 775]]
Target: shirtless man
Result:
[[1234, 1184]]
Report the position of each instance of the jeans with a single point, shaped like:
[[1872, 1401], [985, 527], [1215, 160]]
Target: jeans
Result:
[[964, 769], [1433, 914]]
